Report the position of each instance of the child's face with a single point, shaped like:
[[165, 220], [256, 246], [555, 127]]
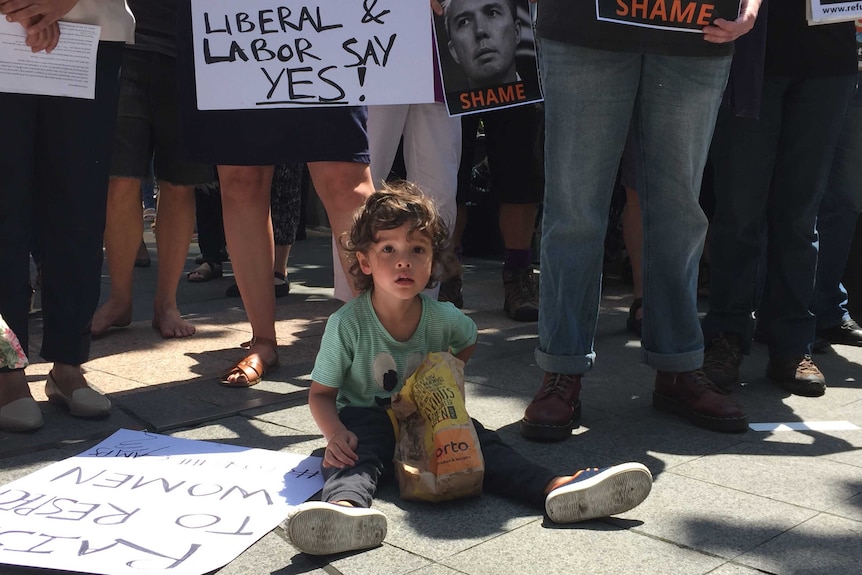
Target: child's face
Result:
[[400, 265]]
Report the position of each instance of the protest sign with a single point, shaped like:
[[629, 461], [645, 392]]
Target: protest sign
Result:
[[673, 15], [295, 53], [145, 502], [487, 55], [826, 11]]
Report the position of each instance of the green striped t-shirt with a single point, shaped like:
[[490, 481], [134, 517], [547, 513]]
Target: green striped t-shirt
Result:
[[367, 365]]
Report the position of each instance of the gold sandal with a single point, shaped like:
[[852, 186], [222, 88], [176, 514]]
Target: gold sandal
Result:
[[252, 367]]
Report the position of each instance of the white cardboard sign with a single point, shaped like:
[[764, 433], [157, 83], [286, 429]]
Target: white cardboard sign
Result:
[[145, 503], [261, 53]]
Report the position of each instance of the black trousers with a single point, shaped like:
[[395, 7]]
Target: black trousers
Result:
[[54, 156], [507, 472]]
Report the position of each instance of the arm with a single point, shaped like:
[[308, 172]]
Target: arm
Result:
[[721, 30], [340, 441], [36, 15], [466, 353]]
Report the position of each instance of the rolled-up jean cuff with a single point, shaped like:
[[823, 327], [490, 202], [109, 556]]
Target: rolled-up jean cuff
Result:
[[568, 364], [675, 362]]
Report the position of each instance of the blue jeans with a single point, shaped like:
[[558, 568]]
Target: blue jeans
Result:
[[837, 218], [770, 174], [591, 98]]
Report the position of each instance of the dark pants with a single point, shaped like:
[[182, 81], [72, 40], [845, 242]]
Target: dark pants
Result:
[[513, 144], [770, 174], [507, 472], [210, 225], [54, 156], [836, 220]]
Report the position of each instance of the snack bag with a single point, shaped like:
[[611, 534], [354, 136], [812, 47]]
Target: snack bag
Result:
[[437, 453]]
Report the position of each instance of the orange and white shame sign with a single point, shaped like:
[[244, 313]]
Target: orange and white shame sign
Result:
[[673, 15]]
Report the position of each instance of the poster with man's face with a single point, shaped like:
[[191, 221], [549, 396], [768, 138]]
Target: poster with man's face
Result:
[[487, 55]]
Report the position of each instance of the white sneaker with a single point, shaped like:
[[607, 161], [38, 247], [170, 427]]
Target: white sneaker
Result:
[[595, 492], [325, 528]]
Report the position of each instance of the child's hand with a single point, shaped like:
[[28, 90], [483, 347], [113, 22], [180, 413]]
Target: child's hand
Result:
[[339, 452]]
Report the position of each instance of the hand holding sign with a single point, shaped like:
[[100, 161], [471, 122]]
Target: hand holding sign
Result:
[[721, 30]]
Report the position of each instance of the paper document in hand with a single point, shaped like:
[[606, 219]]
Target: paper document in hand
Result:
[[69, 70]]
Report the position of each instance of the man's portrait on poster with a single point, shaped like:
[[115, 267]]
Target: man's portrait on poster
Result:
[[483, 37], [487, 54]]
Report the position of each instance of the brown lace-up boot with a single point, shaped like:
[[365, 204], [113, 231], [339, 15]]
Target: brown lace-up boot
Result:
[[798, 375], [555, 410], [691, 395], [721, 361], [521, 294]]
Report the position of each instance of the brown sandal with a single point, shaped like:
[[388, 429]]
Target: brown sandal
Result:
[[253, 367]]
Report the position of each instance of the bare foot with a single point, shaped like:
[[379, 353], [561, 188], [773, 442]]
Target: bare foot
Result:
[[110, 314], [170, 324]]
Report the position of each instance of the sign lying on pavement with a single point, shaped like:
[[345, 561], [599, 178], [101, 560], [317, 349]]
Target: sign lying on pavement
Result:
[[140, 502]]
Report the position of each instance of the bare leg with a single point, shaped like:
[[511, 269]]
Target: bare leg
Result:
[[13, 386], [516, 225], [460, 226], [633, 238], [282, 253], [342, 187], [176, 215], [123, 229], [248, 232], [70, 378]]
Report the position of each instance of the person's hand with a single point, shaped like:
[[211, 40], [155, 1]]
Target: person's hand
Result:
[[45, 40], [340, 450], [35, 15], [437, 7], [722, 31]]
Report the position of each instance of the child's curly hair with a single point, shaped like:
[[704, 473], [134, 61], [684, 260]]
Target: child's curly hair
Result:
[[395, 204]]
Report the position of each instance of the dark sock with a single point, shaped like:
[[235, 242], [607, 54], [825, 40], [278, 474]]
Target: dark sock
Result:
[[518, 259]]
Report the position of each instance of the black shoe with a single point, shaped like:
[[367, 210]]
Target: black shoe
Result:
[[722, 359], [633, 323], [798, 375], [451, 290], [281, 290], [847, 332], [522, 295]]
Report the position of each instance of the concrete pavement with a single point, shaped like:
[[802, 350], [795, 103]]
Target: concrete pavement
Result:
[[760, 502]]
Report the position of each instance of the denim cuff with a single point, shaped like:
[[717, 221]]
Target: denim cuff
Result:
[[675, 362], [568, 364]]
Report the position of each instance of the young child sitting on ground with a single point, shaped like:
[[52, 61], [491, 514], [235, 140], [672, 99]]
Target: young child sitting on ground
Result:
[[370, 347]]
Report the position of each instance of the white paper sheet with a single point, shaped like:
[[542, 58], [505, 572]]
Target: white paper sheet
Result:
[[145, 502], [69, 70]]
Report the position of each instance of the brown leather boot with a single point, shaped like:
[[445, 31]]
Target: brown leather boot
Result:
[[555, 410], [691, 395], [798, 375]]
